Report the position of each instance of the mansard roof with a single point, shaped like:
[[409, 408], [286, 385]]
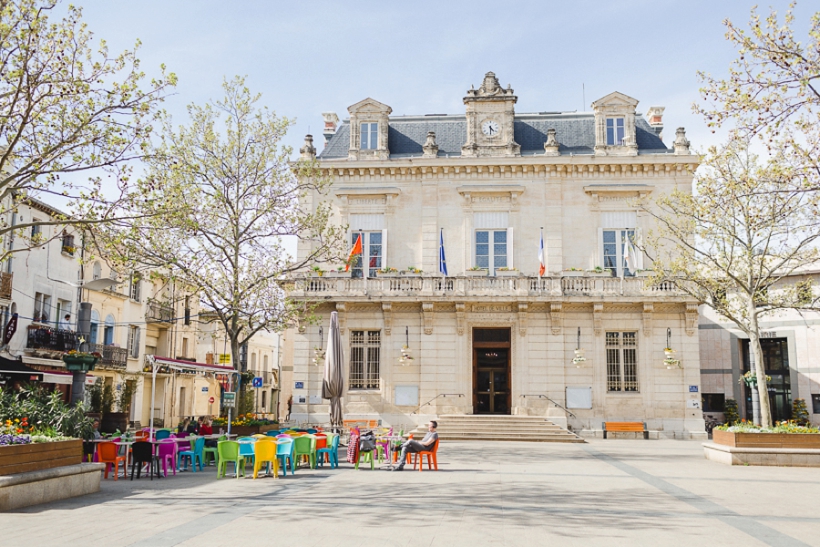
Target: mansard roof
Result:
[[575, 132]]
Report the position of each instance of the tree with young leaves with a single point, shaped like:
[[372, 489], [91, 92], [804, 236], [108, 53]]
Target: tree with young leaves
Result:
[[240, 195], [740, 243], [70, 113]]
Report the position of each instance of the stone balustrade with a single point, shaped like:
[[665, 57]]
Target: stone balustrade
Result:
[[411, 285]]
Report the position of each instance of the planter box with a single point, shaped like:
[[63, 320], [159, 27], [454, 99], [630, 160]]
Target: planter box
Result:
[[507, 273], [79, 364], [477, 273], [568, 273], [767, 440], [390, 274], [248, 430], [598, 274], [337, 275], [21, 458]]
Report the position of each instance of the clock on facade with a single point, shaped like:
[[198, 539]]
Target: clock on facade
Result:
[[490, 128]]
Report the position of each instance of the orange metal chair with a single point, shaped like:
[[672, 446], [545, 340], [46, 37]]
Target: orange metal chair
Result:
[[107, 454], [431, 457]]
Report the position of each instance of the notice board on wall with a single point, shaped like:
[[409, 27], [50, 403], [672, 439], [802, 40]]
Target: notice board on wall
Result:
[[579, 397], [407, 395]]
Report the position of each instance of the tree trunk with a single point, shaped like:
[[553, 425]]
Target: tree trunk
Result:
[[760, 374]]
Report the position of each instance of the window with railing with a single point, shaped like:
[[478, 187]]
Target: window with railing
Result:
[[365, 353], [133, 341], [68, 244], [42, 307], [621, 361], [136, 286]]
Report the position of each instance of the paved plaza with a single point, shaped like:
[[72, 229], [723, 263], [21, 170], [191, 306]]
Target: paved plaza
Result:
[[613, 492]]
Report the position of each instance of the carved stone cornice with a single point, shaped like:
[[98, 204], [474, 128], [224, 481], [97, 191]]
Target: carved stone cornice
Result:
[[556, 317], [648, 309], [427, 313], [387, 317], [460, 306], [523, 315], [691, 318], [598, 317]]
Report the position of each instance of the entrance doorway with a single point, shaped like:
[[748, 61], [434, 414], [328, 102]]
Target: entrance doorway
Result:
[[776, 365], [491, 371]]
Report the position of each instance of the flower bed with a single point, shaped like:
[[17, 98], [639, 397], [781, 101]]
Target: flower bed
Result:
[[782, 435], [36, 456]]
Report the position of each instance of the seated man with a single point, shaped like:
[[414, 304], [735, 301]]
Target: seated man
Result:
[[412, 446]]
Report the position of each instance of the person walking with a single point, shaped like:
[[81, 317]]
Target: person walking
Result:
[[290, 406], [411, 446]]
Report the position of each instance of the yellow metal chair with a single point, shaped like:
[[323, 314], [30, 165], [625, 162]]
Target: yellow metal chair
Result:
[[264, 451]]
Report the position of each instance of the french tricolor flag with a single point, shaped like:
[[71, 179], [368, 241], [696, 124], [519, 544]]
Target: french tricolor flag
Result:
[[542, 267]]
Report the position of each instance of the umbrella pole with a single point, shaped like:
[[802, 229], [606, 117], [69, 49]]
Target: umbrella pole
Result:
[[153, 388]]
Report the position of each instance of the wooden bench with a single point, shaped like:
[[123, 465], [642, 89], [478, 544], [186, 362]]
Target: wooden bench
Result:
[[619, 427]]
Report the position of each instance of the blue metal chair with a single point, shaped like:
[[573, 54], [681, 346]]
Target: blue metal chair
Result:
[[246, 447], [284, 450], [193, 455], [332, 451], [272, 433], [162, 434], [312, 431]]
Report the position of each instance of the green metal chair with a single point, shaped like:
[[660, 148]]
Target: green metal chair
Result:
[[305, 446], [228, 451], [210, 453]]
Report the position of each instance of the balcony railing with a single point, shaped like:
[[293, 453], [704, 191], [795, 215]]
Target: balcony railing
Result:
[[112, 356], [47, 338], [482, 286], [158, 313], [5, 285]]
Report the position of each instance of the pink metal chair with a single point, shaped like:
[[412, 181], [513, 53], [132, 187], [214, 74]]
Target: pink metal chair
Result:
[[167, 452]]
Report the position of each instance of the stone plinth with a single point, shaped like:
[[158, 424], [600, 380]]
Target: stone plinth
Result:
[[36, 487], [786, 457]]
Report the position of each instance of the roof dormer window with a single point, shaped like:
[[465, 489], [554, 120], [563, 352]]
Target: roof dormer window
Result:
[[369, 136], [614, 131]]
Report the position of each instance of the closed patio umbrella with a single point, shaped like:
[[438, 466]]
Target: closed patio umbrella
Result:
[[333, 383]]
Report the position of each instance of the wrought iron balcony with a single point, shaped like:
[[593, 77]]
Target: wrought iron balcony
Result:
[[159, 313], [112, 356], [5, 285], [47, 338], [575, 286]]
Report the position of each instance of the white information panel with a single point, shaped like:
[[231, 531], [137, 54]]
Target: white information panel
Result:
[[315, 399], [579, 397], [407, 395]]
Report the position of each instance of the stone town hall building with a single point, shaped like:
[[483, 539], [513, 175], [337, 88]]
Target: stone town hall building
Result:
[[492, 336]]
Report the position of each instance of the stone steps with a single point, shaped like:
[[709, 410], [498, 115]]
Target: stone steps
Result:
[[498, 428]]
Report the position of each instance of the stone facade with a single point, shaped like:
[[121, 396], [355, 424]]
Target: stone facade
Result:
[[492, 173]]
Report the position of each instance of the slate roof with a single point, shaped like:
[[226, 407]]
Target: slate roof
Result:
[[575, 133]]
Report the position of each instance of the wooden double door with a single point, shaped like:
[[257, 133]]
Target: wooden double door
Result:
[[491, 371]]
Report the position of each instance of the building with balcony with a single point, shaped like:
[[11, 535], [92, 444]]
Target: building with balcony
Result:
[[498, 332]]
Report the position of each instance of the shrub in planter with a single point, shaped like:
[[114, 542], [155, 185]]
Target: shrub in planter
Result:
[[800, 413], [730, 411]]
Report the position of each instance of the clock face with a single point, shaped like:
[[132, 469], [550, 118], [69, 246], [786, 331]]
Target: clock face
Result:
[[490, 128]]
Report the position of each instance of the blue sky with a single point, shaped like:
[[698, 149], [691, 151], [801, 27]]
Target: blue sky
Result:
[[420, 57]]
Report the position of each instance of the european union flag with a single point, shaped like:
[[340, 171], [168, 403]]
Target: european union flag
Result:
[[442, 262]]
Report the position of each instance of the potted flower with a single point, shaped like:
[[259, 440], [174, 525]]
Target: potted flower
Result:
[[572, 272], [598, 271], [387, 272], [412, 270], [477, 271], [318, 271], [338, 272], [507, 272], [80, 361]]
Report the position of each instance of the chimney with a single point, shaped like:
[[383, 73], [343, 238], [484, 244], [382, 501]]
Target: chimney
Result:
[[331, 121], [655, 118]]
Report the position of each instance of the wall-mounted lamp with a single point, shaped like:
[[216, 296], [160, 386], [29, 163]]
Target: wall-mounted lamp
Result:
[[405, 350], [319, 352], [579, 358], [669, 353]]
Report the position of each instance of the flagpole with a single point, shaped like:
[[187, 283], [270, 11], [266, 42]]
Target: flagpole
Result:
[[541, 258]]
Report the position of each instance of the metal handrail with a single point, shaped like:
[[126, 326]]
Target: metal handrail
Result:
[[436, 397], [540, 396]]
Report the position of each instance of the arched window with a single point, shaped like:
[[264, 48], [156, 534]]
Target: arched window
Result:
[[253, 361], [108, 331], [97, 270], [265, 363], [95, 325]]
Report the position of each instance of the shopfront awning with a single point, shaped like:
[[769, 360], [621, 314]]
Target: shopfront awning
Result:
[[64, 378], [189, 366], [13, 369]]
